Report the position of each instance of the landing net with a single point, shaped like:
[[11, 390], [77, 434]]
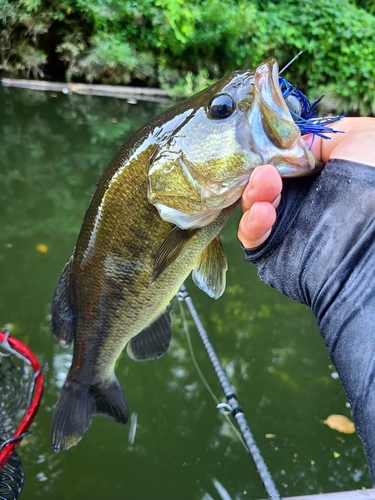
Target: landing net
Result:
[[21, 384]]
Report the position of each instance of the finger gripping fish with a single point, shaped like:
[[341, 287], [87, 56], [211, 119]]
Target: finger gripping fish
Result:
[[154, 217]]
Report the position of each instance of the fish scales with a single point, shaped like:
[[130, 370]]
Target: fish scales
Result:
[[124, 252], [154, 217]]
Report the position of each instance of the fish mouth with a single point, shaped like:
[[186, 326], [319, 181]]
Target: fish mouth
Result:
[[281, 143]]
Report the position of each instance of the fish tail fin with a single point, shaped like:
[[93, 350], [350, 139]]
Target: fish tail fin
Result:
[[77, 404], [72, 416]]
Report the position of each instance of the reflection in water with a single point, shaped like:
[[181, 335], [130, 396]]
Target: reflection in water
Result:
[[61, 365], [221, 490], [133, 428], [52, 152]]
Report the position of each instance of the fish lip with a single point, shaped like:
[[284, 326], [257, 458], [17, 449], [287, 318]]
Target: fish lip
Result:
[[266, 82]]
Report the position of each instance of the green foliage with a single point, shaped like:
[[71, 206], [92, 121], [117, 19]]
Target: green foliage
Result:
[[339, 43], [184, 86], [368, 5], [183, 45]]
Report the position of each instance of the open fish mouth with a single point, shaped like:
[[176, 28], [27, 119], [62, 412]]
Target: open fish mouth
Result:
[[281, 143]]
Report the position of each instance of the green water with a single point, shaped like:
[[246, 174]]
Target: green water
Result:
[[53, 148]]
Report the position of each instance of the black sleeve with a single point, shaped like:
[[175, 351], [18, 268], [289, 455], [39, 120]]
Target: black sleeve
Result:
[[321, 252]]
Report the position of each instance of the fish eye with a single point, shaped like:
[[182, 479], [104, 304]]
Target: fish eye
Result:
[[294, 105], [221, 106]]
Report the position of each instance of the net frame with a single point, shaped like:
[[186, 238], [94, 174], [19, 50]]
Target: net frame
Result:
[[17, 348]]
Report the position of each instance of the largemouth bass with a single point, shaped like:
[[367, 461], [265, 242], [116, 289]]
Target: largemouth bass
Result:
[[154, 217]]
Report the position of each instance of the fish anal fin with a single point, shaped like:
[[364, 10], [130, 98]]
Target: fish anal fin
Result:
[[110, 401], [77, 404], [153, 341], [63, 317], [173, 244], [209, 275]]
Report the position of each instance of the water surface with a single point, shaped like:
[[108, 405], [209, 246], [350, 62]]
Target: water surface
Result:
[[53, 148]]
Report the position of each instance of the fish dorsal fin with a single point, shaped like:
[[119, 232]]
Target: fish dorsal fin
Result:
[[153, 341], [209, 275], [63, 317], [170, 249]]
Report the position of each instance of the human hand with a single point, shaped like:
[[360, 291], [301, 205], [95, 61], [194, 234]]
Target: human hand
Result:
[[261, 196]]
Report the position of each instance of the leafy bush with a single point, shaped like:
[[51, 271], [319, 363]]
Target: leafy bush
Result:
[[368, 5], [339, 43], [182, 45]]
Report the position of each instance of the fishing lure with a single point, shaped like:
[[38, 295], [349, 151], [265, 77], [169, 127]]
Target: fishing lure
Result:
[[304, 112]]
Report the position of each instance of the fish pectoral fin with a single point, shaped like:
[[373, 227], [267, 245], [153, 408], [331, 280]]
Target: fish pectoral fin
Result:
[[76, 405], [153, 341], [175, 241], [209, 275], [63, 317]]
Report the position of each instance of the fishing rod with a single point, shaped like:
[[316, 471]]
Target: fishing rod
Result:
[[232, 404]]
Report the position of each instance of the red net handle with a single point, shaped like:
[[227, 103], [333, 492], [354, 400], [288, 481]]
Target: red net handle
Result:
[[25, 423]]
